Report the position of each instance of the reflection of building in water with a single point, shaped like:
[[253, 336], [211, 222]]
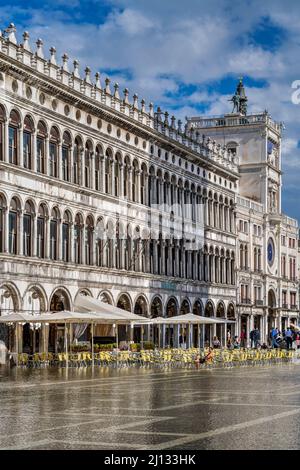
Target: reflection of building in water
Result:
[[107, 198]]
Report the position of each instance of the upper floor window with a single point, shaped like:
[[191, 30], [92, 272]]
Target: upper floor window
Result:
[[13, 137], [53, 152], [41, 147], [54, 234], [76, 160], [13, 226], [27, 228], [40, 242], [65, 155], [27, 142]]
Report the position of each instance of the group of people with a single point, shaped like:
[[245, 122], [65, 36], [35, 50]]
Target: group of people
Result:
[[288, 338]]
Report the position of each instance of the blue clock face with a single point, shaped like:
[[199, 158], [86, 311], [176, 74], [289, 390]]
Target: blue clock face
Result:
[[270, 251]]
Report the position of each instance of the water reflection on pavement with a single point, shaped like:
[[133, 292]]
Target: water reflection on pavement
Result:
[[140, 408]]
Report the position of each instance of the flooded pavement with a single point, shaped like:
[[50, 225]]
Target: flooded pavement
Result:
[[139, 408]]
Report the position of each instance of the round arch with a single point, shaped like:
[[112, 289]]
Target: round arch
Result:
[[171, 307], [141, 306], [60, 299], [34, 299], [209, 309], [221, 310], [106, 297], [185, 307], [156, 308], [124, 302], [198, 307]]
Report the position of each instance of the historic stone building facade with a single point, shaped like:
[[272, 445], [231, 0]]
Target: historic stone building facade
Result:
[[101, 196], [267, 240]]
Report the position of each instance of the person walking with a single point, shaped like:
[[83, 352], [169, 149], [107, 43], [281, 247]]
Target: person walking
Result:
[[256, 338], [289, 338], [252, 338], [274, 335], [243, 338]]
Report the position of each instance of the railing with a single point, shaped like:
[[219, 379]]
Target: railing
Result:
[[286, 306], [228, 120], [246, 301], [289, 221], [259, 302], [294, 307], [245, 202]]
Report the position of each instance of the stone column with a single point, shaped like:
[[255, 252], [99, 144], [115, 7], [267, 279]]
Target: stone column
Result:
[[59, 161], [6, 230], [20, 234], [129, 184], [138, 186], [47, 237], [81, 167], [102, 173], [121, 167], [59, 239], [71, 163], [46, 161], [6, 141], [33, 151], [20, 146], [112, 173], [92, 170], [34, 235]]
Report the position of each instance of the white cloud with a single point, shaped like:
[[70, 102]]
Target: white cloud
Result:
[[160, 44]]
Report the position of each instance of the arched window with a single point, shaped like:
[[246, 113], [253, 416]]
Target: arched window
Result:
[[27, 142], [27, 228], [2, 209], [40, 251], [98, 156], [108, 163], [41, 147], [13, 138], [76, 160], [65, 155], [135, 176], [241, 256], [2, 124], [87, 164], [78, 239], [53, 151], [143, 197], [54, 233], [89, 230], [66, 226], [13, 227], [117, 161], [100, 242], [126, 177]]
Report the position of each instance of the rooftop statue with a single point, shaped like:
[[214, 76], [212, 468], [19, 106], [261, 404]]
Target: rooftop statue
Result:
[[239, 99]]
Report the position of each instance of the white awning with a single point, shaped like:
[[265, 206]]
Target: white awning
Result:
[[190, 318], [90, 304]]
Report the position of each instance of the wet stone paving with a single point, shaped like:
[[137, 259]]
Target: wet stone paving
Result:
[[140, 408]]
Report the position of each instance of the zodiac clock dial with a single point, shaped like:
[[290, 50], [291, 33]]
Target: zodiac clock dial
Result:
[[270, 251]]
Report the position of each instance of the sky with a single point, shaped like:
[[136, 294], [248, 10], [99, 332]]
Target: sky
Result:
[[185, 57]]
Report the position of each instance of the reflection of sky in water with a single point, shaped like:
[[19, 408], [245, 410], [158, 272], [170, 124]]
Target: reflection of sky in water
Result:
[[147, 408]]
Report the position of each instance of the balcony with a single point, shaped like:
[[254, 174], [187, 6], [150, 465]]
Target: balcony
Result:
[[285, 306], [294, 307], [259, 302], [246, 301]]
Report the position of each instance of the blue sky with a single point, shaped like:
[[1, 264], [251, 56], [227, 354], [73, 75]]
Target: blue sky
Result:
[[184, 56]]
